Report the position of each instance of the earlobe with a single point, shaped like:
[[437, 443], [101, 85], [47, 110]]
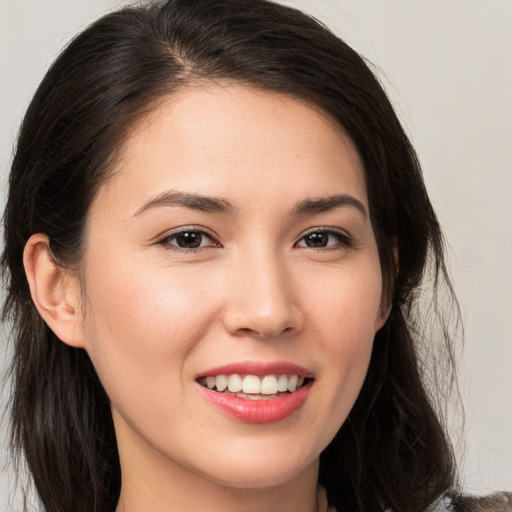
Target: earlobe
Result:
[[383, 316], [395, 256], [54, 290], [387, 298]]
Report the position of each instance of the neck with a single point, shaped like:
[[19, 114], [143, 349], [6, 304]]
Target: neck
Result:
[[158, 498]]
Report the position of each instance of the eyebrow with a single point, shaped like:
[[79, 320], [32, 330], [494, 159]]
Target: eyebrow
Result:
[[324, 204], [223, 206], [189, 200]]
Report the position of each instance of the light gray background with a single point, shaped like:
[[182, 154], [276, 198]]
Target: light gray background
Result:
[[447, 65]]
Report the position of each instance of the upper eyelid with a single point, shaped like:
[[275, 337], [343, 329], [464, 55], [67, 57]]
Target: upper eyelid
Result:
[[325, 229], [183, 229]]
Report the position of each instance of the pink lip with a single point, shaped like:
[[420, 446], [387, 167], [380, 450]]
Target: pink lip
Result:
[[259, 369], [258, 411]]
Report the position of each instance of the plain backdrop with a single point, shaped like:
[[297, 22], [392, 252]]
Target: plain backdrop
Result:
[[447, 65]]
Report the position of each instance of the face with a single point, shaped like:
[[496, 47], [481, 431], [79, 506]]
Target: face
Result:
[[232, 246]]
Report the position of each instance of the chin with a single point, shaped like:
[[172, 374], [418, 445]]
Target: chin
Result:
[[256, 472], [250, 478]]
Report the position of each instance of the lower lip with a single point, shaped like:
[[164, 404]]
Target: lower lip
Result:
[[258, 411]]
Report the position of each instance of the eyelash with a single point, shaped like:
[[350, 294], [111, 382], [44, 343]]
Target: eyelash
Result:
[[343, 240], [166, 240]]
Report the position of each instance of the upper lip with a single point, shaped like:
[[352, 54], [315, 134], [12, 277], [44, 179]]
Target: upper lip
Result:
[[258, 368]]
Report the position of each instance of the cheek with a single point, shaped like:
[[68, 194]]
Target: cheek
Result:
[[138, 335], [346, 304], [344, 312]]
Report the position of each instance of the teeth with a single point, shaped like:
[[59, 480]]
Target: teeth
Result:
[[292, 382], [269, 385], [251, 384], [254, 385], [221, 382], [282, 383], [235, 383]]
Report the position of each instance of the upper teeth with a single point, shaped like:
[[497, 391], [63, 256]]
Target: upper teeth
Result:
[[265, 385]]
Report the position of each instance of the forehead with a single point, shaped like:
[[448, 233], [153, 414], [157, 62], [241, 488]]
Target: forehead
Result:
[[231, 139]]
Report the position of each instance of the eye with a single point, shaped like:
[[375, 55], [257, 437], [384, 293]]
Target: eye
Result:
[[324, 238], [188, 239]]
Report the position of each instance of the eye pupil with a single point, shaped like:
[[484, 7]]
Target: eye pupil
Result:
[[317, 239], [189, 240]]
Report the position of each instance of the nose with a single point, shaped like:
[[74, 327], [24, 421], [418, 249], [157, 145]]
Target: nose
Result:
[[263, 299]]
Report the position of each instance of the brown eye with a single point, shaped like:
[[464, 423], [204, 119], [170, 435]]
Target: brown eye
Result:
[[188, 239], [317, 239], [324, 238]]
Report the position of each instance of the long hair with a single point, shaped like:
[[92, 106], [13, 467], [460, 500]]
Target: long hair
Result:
[[392, 451]]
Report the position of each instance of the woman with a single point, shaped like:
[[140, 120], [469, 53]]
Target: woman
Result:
[[215, 234]]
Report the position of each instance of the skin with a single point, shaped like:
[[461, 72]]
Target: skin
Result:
[[156, 315]]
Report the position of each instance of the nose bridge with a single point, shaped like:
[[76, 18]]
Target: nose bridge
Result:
[[264, 301]]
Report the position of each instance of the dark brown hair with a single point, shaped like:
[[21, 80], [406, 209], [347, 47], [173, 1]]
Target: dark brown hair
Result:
[[392, 451]]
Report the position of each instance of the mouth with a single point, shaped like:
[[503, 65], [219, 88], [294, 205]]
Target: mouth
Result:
[[255, 387], [256, 392]]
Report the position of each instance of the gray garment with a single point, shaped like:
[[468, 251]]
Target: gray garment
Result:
[[499, 502], [443, 505]]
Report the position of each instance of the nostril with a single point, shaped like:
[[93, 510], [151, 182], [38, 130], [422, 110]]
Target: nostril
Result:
[[262, 316], [264, 333]]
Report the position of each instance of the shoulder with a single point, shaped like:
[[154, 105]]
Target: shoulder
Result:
[[498, 502]]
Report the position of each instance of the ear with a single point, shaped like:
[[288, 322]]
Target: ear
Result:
[[395, 256], [387, 299], [54, 290]]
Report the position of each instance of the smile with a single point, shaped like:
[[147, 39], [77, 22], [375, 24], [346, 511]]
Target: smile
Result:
[[256, 392], [254, 387]]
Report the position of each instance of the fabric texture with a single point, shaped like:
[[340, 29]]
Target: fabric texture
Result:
[[498, 502]]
